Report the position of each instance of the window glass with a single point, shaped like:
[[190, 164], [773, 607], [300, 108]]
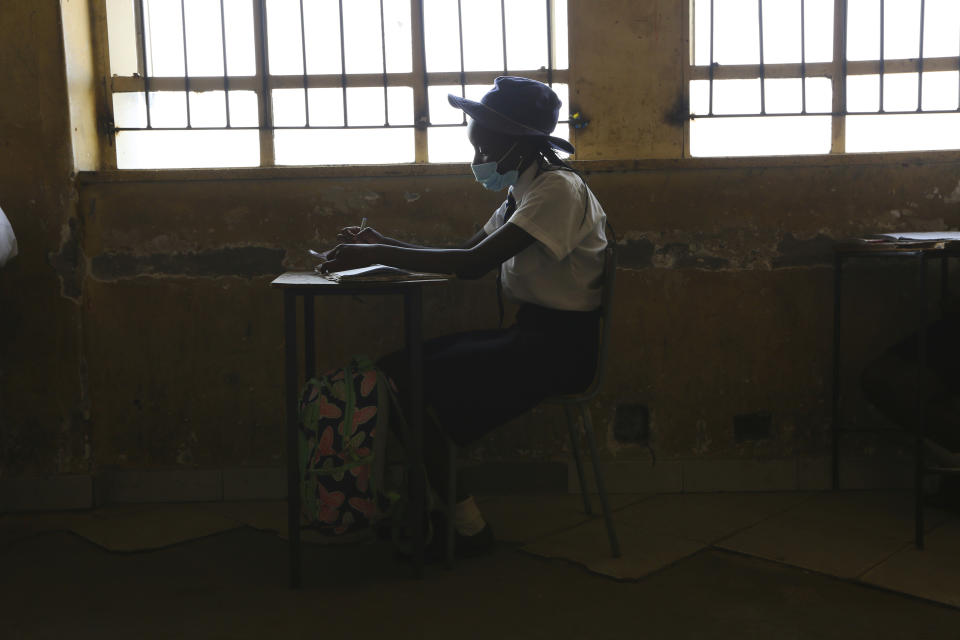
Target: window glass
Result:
[[326, 107], [940, 90], [526, 44], [364, 45], [187, 149], [322, 26], [779, 135], [284, 37], [238, 24], [204, 38], [736, 32], [941, 36], [122, 37], [343, 146], [901, 29], [208, 109], [164, 38], [903, 132]]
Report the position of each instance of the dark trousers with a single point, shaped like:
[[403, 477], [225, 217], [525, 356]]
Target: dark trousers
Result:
[[477, 380]]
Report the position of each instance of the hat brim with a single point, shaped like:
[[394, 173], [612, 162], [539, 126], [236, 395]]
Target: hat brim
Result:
[[502, 124]]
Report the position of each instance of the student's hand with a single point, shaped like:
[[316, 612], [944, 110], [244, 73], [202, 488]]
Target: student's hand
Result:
[[353, 235], [349, 256]]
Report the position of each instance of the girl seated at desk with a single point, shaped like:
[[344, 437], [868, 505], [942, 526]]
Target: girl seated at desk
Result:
[[547, 239]]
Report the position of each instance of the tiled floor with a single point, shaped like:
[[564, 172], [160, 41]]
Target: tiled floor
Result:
[[864, 536], [814, 543]]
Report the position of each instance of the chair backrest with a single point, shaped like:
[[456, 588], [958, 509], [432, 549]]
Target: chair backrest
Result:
[[606, 309], [606, 315]]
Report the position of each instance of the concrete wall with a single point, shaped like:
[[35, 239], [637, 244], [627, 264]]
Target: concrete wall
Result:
[[139, 331], [44, 409]]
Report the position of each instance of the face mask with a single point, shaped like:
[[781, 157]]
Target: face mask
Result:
[[487, 174]]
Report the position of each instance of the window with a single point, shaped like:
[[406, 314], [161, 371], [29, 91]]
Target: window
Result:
[[227, 83], [823, 76]]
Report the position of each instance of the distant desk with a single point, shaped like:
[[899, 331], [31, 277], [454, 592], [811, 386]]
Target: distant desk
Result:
[[920, 253], [307, 285]]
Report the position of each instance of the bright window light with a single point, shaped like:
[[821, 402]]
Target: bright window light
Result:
[[337, 84], [895, 111]]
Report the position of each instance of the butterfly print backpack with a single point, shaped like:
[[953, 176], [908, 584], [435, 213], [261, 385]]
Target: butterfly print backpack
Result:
[[343, 438]]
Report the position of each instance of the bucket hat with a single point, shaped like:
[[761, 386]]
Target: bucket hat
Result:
[[517, 107]]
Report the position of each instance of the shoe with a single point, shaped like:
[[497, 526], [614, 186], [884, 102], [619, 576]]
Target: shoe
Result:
[[476, 545], [463, 546]]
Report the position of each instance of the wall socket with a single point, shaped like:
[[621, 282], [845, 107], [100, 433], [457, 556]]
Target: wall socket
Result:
[[631, 423], [752, 426]]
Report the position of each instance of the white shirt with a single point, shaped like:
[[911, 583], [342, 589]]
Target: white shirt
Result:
[[8, 241], [563, 269]]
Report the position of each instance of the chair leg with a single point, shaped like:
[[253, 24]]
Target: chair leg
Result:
[[575, 449], [451, 501], [588, 426]]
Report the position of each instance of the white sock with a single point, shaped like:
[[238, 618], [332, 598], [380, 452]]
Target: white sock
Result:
[[467, 519]]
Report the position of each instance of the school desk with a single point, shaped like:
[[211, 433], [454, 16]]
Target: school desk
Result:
[[308, 285], [919, 254]]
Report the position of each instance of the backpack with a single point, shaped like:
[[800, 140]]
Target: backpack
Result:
[[342, 447]]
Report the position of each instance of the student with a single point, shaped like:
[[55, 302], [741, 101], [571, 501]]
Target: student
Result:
[[547, 239]]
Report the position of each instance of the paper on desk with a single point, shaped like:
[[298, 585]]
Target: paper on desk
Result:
[[919, 236], [378, 273]]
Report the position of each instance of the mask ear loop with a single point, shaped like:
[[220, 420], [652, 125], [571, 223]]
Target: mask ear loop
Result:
[[504, 156]]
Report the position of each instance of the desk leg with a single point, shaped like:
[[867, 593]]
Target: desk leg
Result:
[[835, 410], [412, 317], [920, 404], [293, 472], [944, 284], [309, 339]]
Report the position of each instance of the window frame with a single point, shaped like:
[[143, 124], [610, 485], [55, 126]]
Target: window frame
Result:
[[262, 83], [838, 71]]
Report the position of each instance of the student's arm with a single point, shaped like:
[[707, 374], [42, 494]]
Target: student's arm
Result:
[[470, 262], [350, 235], [477, 238]]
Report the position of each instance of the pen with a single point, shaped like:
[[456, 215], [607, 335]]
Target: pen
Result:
[[363, 225]]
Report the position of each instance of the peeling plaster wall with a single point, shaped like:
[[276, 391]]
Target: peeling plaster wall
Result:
[[139, 330], [43, 394], [723, 306]]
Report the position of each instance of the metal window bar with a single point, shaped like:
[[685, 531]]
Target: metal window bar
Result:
[[803, 57], [265, 95], [343, 67], [805, 70], [463, 81], [920, 60], [550, 52], [464, 78], [503, 33], [882, 53], [421, 94], [712, 67], [226, 75], [383, 51], [263, 83], [763, 96], [303, 51], [143, 53], [186, 64]]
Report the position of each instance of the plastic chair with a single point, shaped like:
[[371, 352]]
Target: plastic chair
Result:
[[579, 402]]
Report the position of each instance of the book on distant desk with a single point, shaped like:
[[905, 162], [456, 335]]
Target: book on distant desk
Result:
[[907, 240], [379, 273]]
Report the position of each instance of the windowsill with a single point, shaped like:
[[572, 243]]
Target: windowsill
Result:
[[463, 169]]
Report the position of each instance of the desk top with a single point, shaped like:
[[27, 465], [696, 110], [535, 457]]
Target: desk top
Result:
[[902, 243], [309, 279], [855, 248]]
